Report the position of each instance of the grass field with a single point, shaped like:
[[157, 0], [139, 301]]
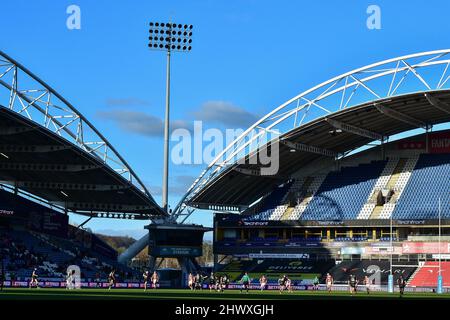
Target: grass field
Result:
[[171, 294]]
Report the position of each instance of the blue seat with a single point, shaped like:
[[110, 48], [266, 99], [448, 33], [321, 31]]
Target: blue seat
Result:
[[342, 194], [429, 181]]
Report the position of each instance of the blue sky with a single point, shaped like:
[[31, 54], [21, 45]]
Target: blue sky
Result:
[[248, 56]]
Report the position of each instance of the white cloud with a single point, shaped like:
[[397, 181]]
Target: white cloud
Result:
[[222, 113], [226, 114], [139, 122]]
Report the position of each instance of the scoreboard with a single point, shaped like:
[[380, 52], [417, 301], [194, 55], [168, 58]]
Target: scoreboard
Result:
[[174, 240]]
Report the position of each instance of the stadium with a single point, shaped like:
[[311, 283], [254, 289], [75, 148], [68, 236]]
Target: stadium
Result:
[[361, 188]]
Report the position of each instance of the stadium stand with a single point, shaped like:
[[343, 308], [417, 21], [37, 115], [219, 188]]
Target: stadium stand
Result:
[[25, 250], [324, 197], [304, 194], [427, 275], [419, 201], [273, 207], [35, 236], [372, 207], [332, 201], [397, 187]]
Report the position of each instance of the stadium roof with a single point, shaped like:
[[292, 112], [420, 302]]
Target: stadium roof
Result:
[[337, 133], [50, 151], [330, 120]]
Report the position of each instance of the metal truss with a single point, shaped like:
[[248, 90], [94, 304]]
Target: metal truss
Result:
[[31, 148], [355, 130], [307, 148], [420, 72], [401, 116], [62, 185], [60, 207], [46, 167], [29, 96]]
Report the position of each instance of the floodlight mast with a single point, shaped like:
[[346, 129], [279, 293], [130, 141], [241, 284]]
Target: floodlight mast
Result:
[[168, 37]]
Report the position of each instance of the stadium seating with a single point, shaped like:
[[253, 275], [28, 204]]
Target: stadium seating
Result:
[[308, 190], [25, 250], [418, 200], [427, 275], [272, 208], [343, 193], [326, 197], [380, 184], [400, 181]]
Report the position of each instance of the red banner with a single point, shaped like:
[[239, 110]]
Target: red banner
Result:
[[439, 142], [411, 145], [425, 247]]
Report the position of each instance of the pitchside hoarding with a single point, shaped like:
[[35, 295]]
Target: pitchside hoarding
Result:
[[425, 248]]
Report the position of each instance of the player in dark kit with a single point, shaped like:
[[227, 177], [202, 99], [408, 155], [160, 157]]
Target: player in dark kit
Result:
[[34, 279], [226, 281], [145, 276], [401, 285], [353, 283], [219, 284], [2, 274], [223, 283], [282, 282], [111, 279], [198, 281], [212, 282]]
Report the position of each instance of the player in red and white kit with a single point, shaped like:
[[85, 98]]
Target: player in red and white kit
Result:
[[289, 284], [263, 282], [155, 280], [329, 282], [367, 282]]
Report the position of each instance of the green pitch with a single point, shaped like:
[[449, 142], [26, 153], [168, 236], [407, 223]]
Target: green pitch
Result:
[[171, 294]]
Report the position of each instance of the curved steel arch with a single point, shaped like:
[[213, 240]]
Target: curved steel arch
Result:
[[30, 96], [425, 71]]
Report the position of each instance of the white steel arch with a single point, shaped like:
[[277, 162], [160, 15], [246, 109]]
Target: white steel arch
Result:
[[26, 94], [420, 72]]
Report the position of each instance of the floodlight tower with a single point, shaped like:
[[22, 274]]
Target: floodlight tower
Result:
[[169, 37]]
